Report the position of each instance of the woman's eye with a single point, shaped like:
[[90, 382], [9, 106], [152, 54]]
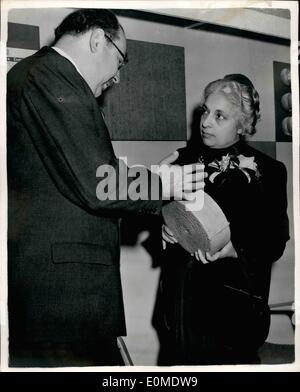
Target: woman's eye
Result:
[[220, 116]]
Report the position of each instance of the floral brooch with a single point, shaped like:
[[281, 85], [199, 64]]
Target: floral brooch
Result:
[[227, 163]]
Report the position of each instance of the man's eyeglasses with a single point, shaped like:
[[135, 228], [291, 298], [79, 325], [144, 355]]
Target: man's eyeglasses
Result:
[[124, 56]]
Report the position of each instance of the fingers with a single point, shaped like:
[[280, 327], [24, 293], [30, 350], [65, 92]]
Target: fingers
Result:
[[194, 177], [227, 251], [164, 244], [168, 236], [214, 257], [198, 176], [205, 259], [168, 230], [193, 168], [189, 187], [170, 158], [176, 180], [200, 256], [193, 180], [190, 183]]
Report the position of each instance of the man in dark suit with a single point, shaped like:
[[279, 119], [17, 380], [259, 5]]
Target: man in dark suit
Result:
[[64, 289]]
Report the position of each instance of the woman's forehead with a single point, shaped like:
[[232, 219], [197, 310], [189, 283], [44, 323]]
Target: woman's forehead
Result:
[[221, 100]]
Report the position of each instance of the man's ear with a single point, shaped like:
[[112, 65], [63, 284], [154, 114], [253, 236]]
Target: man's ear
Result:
[[97, 40]]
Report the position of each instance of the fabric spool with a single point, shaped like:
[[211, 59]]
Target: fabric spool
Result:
[[206, 229], [286, 101], [287, 126], [285, 76]]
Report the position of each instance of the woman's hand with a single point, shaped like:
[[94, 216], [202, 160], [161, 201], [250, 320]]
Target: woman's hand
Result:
[[227, 251], [167, 236]]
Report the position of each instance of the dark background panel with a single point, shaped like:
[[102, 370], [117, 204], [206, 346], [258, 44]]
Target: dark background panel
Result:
[[149, 103], [23, 36], [279, 90]]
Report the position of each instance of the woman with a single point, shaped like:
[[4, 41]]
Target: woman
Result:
[[212, 309]]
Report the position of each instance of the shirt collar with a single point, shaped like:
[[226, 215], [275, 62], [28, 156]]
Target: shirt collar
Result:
[[64, 54]]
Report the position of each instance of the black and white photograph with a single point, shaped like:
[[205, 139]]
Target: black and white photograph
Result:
[[149, 185]]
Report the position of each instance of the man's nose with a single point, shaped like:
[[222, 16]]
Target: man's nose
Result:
[[116, 78]]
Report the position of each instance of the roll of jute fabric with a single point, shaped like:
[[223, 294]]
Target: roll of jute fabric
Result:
[[204, 228]]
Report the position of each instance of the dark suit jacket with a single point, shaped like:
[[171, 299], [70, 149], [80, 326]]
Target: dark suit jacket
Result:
[[63, 243]]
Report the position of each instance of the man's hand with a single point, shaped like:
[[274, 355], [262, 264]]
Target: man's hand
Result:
[[227, 251], [171, 158], [178, 181], [167, 236]]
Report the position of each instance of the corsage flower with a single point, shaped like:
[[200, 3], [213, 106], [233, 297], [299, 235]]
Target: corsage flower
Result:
[[228, 163], [247, 162]]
